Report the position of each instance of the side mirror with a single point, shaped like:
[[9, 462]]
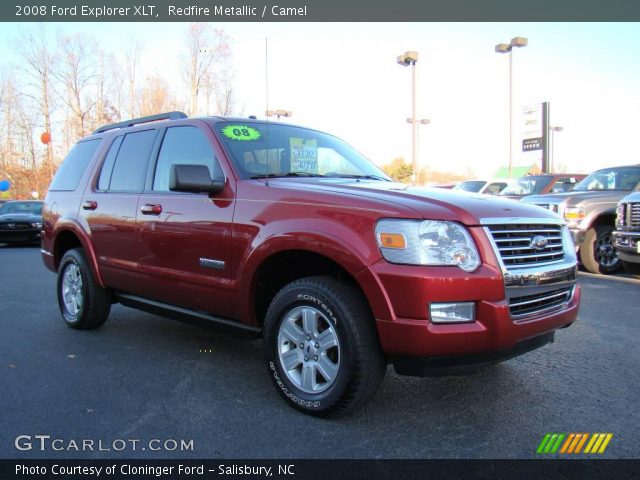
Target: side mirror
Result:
[[194, 179]]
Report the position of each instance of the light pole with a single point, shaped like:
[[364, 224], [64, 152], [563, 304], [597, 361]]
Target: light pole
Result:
[[422, 121], [508, 48], [278, 113], [553, 144], [406, 59]]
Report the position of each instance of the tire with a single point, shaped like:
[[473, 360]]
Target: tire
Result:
[[597, 253], [340, 365], [83, 304], [632, 268]]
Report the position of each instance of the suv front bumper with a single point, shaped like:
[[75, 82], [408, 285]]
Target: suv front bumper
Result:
[[628, 245], [463, 364], [418, 346]]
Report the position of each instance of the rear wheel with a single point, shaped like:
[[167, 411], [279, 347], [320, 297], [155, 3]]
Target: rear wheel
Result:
[[321, 347], [597, 253], [83, 303], [632, 268]]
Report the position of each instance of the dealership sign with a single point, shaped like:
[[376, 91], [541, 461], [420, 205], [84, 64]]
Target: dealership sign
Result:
[[532, 131]]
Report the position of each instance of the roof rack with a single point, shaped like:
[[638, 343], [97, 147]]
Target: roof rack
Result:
[[137, 121]]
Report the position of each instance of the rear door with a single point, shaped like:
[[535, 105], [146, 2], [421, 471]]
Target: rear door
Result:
[[109, 208], [186, 237]]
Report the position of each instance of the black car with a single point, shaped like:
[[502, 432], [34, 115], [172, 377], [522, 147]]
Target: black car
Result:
[[20, 221]]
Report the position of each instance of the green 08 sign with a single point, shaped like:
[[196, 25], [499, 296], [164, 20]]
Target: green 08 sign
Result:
[[241, 132]]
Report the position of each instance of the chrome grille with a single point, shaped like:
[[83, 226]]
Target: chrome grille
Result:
[[13, 226], [539, 302], [519, 245], [633, 212]]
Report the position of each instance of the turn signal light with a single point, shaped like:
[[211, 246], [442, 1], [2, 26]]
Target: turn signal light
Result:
[[392, 240]]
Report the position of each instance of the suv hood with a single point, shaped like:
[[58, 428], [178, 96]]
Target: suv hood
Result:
[[427, 203]]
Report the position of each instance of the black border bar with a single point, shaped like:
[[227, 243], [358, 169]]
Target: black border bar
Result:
[[322, 10], [575, 469]]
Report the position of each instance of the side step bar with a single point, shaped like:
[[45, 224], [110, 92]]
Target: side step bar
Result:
[[222, 325]]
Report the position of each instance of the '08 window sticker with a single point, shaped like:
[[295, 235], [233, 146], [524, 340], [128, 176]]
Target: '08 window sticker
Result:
[[241, 133]]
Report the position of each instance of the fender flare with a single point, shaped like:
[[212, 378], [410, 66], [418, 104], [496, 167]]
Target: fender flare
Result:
[[72, 226]]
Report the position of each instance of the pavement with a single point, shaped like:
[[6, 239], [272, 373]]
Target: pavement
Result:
[[170, 390]]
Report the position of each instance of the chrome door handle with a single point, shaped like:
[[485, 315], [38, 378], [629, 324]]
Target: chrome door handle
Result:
[[149, 209]]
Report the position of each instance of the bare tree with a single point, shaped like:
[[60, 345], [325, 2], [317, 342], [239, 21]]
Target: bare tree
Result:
[[206, 50], [115, 87], [37, 62], [225, 100], [156, 97], [132, 56], [77, 76]]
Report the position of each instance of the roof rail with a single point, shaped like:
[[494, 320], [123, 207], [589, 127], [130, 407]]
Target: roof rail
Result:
[[137, 121]]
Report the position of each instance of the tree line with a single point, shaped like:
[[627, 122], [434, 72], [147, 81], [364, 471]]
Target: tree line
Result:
[[62, 87]]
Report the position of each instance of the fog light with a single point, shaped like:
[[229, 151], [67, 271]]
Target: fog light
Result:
[[452, 312]]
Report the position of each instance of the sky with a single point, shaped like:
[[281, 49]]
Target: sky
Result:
[[343, 78]]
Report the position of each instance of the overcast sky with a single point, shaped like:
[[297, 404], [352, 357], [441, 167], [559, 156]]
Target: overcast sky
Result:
[[343, 78]]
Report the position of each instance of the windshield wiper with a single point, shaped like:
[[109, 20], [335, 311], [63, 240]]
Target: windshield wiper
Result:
[[287, 174], [368, 177]]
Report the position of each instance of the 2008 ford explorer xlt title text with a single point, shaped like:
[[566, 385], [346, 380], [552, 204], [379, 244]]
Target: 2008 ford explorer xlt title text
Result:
[[258, 228]]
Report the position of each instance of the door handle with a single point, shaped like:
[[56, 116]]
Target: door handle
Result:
[[149, 209], [89, 205]]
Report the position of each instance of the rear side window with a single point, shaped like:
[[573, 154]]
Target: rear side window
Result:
[[74, 165], [130, 165], [107, 166], [183, 146]]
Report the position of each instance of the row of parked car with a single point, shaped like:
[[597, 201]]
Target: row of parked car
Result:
[[602, 211]]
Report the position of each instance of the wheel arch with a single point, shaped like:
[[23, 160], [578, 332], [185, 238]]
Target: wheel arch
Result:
[[71, 236]]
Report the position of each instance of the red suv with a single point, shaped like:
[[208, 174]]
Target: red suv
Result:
[[267, 229]]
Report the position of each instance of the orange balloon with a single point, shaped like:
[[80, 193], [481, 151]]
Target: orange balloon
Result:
[[45, 138]]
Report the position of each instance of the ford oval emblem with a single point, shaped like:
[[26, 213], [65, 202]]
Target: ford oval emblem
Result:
[[539, 242]]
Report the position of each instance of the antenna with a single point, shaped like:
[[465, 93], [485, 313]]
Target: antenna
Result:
[[266, 83]]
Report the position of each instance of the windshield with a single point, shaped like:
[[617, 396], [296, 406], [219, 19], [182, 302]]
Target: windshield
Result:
[[527, 185], [624, 178], [21, 207], [470, 186], [261, 149]]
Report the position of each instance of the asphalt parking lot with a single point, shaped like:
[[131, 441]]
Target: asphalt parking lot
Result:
[[144, 377]]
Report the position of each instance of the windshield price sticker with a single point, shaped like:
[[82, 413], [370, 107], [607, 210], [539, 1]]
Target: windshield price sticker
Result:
[[304, 155], [241, 132]]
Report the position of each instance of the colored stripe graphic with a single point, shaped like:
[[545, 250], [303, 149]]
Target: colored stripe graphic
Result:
[[550, 443], [598, 443], [572, 443]]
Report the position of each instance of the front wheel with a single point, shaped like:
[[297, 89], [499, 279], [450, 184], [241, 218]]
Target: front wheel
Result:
[[597, 253], [321, 347], [84, 305]]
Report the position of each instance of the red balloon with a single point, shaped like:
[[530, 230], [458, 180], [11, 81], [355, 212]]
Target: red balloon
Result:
[[45, 138]]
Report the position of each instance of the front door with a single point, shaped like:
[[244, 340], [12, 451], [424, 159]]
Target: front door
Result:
[[186, 237]]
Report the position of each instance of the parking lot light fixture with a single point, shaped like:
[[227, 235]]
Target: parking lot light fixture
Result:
[[508, 48], [279, 113]]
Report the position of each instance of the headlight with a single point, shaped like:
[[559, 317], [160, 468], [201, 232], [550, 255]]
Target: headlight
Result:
[[36, 225], [428, 242], [620, 214], [573, 215]]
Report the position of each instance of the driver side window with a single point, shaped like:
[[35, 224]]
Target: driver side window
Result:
[[183, 146]]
